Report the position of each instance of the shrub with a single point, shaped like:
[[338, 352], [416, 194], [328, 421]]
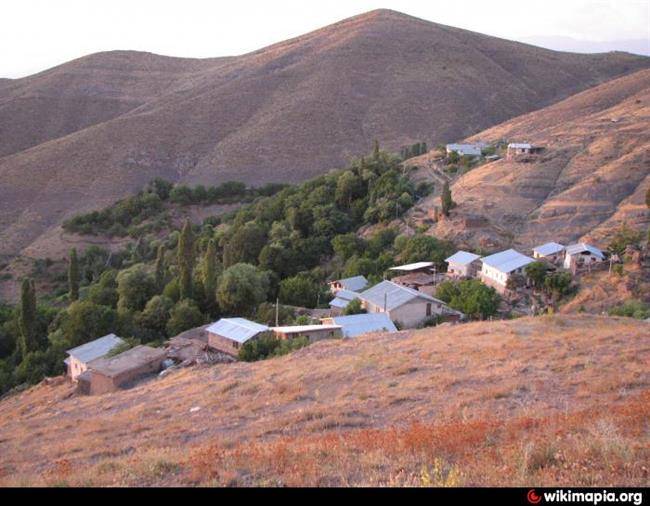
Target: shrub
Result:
[[270, 346]]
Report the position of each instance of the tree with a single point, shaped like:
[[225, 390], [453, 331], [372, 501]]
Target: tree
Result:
[[184, 315], [27, 337], [375, 150], [536, 272], [347, 245], [446, 200], [241, 288], [185, 259], [245, 245], [354, 307], [210, 275], [73, 276], [135, 286], [153, 319], [85, 321], [425, 248], [348, 187], [161, 268], [104, 292], [624, 237], [471, 296], [300, 290], [558, 284]]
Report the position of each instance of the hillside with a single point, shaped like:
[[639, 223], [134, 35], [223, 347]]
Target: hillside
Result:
[[88, 132], [487, 403], [591, 178]]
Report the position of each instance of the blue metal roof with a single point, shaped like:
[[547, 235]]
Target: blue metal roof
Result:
[[550, 248], [354, 283], [580, 247], [393, 295], [462, 258], [236, 329], [507, 261], [355, 325], [95, 349]]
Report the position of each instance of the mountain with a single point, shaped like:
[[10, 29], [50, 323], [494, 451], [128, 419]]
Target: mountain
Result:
[[590, 180], [559, 43], [504, 403], [80, 136]]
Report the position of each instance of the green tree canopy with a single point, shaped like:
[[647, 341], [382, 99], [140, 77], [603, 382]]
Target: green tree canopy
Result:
[[241, 288]]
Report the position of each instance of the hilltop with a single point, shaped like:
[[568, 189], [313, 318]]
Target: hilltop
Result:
[[487, 403], [591, 178], [82, 135]]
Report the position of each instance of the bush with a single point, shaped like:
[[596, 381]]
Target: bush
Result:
[[632, 308], [354, 307], [270, 346], [184, 315]]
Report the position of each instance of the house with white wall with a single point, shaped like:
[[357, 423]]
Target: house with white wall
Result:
[[581, 255], [497, 269], [463, 264]]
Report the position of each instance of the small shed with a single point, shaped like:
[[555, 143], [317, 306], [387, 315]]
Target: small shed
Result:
[[463, 264], [79, 357], [522, 148], [581, 255], [353, 284], [359, 324], [312, 332], [112, 373], [551, 251], [229, 334], [472, 150], [342, 299]]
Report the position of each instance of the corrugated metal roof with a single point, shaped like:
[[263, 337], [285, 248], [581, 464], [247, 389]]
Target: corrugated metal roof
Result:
[[343, 298], [466, 149], [395, 295], [520, 145], [296, 329], [462, 258], [412, 267], [95, 349], [339, 303], [507, 261], [237, 329], [550, 248], [574, 249], [358, 324], [354, 283]]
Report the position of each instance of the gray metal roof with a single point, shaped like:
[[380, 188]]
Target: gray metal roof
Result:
[[575, 249], [237, 329], [393, 294], [343, 298], [339, 303], [466, 149], [354, 283], [357, 324], [507, 261], [520, 145], [550, 248], [412, 267], [462, 258], [95, 349]]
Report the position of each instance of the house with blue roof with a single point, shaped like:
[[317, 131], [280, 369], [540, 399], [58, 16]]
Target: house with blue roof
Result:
[[79, 357], [341, 300], [228, 335], [359, 324], [497, 269], [550, 251], [581, 255], [353, 284], [463, 264]]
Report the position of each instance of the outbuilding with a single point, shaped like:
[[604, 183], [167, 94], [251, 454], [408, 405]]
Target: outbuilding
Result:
[[312, 332], [498, 268], [353, 284], [551, 251], [342, 299], [581, 255], [359, 324], [79, 357]]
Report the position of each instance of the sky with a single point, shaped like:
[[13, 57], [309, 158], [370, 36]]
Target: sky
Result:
[[39, 34]]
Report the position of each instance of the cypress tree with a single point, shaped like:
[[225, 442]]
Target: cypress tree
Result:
[[446, 200], [375, 150], [210, 274], [185, 260], [161, 269], [27, 317], [73, 276]]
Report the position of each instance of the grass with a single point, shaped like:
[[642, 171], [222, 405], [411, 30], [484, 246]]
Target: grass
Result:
[[546, 401]]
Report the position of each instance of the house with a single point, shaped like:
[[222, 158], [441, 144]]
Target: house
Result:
[[312, 332], [342, 299], [110, 374], [405, 305], [463, 264], [474, 149], [551, 251], [229, 334], [79, 357], [522, 148], [581, 255], [353, 284], [498, 268], [358, 324]]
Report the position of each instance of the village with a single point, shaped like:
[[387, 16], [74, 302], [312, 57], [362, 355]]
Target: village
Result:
[[406, 301]]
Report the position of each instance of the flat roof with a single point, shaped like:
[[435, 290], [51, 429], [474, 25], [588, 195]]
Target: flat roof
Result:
[[412, 267], [296, 329], [126, 361]]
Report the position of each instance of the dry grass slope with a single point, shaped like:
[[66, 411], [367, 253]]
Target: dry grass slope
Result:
[[86, 133], [544, 401]]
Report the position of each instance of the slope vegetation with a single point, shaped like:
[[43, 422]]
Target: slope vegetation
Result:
[[86, 133], [548, 400]]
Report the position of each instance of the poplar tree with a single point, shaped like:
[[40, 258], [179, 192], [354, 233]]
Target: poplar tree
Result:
[[185, 260], [73, 276], [446, 200], [27, 317], [375, 150], [161, 269], [210, 274]]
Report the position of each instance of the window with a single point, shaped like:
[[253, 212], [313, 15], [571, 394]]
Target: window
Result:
[[429, 309]]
